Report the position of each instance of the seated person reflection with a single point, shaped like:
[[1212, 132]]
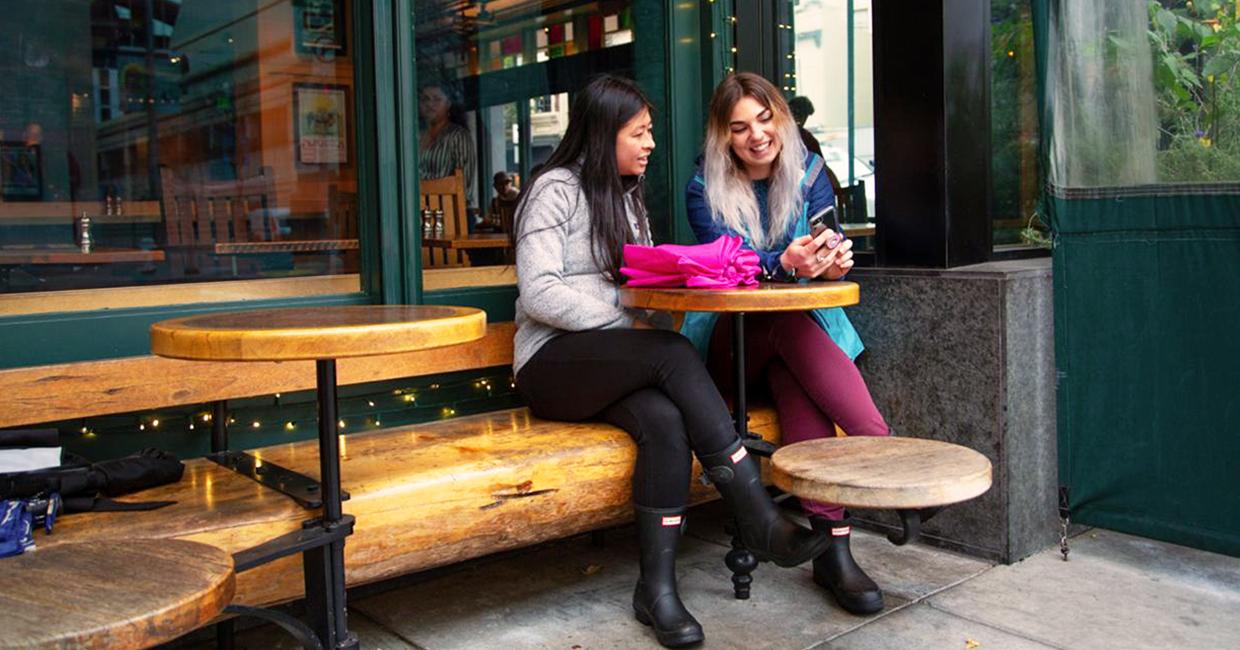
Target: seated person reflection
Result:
[[504, 203]]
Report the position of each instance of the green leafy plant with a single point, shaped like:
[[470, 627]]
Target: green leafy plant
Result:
[[1196, 48]]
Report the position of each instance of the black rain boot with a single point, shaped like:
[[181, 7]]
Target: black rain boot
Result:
[[837, 572], [764, 530], [655, 600]]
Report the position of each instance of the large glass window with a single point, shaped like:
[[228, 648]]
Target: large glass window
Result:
[[818, 86], [495, 83], [177, 141], [1014, 127]]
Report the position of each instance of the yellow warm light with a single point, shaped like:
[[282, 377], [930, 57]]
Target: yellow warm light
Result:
[[290, 426]]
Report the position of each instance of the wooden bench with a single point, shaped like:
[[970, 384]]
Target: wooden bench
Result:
[[424, 495]]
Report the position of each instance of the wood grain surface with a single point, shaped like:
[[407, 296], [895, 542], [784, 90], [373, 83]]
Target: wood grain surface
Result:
[[768, 296], [865, 472], [49, 393], [315, 332], [122, 593], [424, 496]]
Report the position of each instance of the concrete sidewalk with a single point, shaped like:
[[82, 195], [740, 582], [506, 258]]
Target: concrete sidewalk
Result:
[[1117, 591]]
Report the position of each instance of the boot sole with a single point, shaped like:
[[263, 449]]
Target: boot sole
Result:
[[857, 606], [669, 640]]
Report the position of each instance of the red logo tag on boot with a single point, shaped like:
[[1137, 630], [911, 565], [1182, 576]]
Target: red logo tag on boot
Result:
[[738, 455], [841, 532], [668, 522]]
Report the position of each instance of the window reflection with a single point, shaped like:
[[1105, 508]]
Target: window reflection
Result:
[[167, 141], [840, 124], [495, 82]]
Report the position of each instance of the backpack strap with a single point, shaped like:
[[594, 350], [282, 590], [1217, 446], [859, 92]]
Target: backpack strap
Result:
[[812, 171]]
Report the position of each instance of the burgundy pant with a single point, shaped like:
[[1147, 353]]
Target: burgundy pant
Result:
[[813, 383]]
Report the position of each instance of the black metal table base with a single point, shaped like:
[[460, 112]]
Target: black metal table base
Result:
[[320, 541]]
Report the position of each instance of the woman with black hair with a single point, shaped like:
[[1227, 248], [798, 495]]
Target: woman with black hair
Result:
[[579, 355]]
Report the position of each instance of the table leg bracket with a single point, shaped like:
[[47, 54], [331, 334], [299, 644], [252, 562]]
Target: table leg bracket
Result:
[[301, 488], [911, 520], [312, 535]]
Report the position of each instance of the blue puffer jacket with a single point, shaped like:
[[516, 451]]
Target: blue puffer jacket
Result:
[[816, 190]]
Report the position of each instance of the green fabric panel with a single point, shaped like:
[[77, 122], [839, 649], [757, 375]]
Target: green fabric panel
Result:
[[1160, 208], [1149, 365]]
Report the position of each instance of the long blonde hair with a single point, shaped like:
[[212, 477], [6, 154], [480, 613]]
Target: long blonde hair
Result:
[[729, 191]]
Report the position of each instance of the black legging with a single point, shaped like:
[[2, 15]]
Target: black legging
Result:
[[652, 384]]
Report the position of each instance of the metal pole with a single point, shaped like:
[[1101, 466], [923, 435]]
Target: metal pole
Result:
[[337, 632], [738, 352], [852, 104], [219, 426]]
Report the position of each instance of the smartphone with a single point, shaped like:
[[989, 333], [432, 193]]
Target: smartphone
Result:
[[822, 220]]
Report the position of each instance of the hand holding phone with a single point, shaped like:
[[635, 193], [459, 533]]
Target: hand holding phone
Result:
[[821, 221]]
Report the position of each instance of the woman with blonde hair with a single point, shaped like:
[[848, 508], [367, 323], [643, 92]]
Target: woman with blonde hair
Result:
[[756, 180]]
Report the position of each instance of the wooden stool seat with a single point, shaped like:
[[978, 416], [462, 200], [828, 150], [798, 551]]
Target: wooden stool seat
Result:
[[135, 593], [884, 473]]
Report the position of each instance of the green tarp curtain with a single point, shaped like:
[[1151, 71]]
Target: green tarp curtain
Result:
[[1147, 273]]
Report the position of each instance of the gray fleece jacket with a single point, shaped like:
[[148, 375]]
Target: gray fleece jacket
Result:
[[561, 288]]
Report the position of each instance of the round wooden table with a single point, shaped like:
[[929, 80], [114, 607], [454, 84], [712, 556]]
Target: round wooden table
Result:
[[323, 334], [134, 594], [766, 297]]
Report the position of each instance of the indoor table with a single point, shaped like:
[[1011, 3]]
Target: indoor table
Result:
[[323, 334]]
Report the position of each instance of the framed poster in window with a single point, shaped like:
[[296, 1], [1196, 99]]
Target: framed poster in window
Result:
[[21, 172], [320, 123], [319, 28]]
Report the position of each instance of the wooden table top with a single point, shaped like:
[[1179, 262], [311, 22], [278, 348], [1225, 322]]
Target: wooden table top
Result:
[[316, 332], [74, 255], [475, 240], [135, 594], [886, 473], [292, 246], [768, 296]]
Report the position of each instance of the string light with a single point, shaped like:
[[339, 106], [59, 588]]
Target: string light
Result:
[[256, 424], [289, 426], [155, 422]]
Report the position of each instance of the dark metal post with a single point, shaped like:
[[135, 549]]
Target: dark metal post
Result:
[[225, 631], [332, 626], [738, 351], [219, 426], [932, 132]]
